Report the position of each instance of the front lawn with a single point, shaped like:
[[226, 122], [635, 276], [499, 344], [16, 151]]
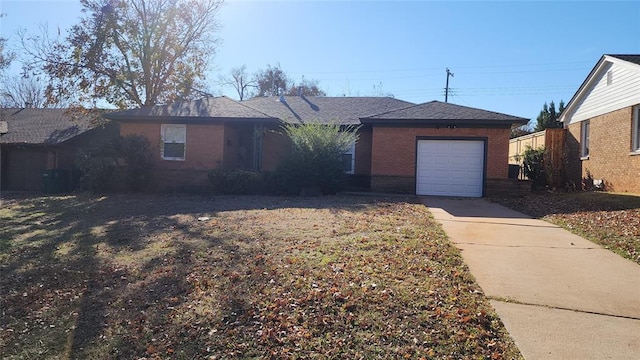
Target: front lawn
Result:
[[611, 220], [180, 277]]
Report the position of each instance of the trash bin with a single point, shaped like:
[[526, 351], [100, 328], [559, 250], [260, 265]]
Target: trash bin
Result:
[[56, 181], [514, 171]]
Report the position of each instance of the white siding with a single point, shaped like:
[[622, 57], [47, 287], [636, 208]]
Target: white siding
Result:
[[600, 98]]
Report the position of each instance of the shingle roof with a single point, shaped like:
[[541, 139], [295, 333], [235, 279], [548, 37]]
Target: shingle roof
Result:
[[344, 110], [44, 126], [209, 108], [630, 58], [440, 111]]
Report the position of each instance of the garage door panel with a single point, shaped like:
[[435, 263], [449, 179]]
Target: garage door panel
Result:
[[450, 167]]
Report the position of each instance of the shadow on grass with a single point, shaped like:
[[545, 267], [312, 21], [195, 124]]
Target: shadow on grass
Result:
[[61, 291]]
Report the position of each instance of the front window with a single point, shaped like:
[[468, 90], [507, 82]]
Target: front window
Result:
[[584, 141], [636, 129], [349, 160], [174, 138]]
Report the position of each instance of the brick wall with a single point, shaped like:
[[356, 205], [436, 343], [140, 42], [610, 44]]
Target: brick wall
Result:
[[363, 152], [275, 147], [203, 151], [609, 152], [394, 151]]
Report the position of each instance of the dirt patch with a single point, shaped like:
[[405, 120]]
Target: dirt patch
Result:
[[236, 277]]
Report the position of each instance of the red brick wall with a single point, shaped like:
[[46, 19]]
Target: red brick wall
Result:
[[609, 151], [204, 151], [204, 146], [363, 152], [275, 146], [394, 149], [393, 158]]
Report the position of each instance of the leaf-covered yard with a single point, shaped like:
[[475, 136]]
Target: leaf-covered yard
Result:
[[609, 219], [236, 277]]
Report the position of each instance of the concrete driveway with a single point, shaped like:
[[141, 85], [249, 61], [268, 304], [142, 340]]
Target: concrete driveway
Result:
[[560, 296]]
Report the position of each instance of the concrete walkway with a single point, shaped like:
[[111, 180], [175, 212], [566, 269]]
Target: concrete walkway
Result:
[[559, 296]]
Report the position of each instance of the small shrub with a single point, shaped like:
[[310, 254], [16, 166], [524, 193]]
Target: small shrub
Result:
[[135, 150], [236, 182], [96, 171], [122, 163], [534, 166]]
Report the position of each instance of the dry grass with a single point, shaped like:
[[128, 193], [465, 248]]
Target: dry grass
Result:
[[609, 219], [141, 277]]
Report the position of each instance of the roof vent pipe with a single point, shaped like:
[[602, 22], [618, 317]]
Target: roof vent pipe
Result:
[[299, 90]]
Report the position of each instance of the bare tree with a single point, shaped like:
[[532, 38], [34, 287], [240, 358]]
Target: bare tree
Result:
[[241, 82], [21, 92], [130, 52]]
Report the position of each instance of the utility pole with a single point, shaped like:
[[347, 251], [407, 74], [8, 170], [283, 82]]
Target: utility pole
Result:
[[446, 89]]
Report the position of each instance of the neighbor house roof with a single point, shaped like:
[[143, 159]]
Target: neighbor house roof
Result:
[[343, 110], [628, 60], [440, 112], [44, 126], [201, 110]]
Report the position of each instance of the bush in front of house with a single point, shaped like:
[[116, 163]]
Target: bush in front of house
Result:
[[135, 150], [236, 182], [315, 162], [123, 163]]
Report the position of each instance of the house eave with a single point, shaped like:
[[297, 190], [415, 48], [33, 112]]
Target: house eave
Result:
[[566, 116], [192, 120], [444, 122]]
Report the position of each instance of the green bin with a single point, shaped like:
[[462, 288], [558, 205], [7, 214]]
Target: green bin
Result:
[[56, 181]]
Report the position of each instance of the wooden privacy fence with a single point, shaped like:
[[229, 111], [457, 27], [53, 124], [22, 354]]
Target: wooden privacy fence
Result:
[[518, 145], [554, 141]]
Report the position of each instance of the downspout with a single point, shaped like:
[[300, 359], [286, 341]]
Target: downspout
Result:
[[258, 132]]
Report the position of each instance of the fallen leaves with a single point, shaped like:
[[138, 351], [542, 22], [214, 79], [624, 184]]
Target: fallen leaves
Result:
[[333, 277], [611, 220]]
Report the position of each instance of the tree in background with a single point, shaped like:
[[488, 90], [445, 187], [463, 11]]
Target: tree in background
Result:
[[18, 92], [130, 52], [548, 117], [520, 131], [241, 82], [307, 88], [5, 56], [271, 81]]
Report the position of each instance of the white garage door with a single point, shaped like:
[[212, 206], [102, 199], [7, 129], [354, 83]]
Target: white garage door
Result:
[[450, 168]]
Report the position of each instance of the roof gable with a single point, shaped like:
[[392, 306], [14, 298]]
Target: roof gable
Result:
[[612, 84], [344, 110], [209, 108], [44, 126], [435, 111]]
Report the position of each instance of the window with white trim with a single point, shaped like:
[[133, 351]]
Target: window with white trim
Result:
[[349, 160], [636, 129], [584, 139], [174, 139]]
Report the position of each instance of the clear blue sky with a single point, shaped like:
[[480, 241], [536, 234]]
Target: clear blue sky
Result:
[[506, 56]]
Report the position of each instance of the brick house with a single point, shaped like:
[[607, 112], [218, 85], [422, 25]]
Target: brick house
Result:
[[603, 126], [439, 148], [43, 139], [433, 149]]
